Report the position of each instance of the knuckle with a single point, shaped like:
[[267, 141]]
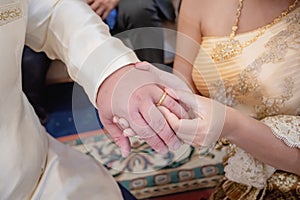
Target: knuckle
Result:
[[159, 124], [167, 135], [171, 104], [137, 96], [145, 133], [136, 121], [170, 137]]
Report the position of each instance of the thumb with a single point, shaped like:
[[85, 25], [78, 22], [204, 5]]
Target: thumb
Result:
[[186, 129], [180, 126], [171, 118]]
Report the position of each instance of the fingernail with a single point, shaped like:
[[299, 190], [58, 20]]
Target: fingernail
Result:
[[128, 132], [142, 65], [115, 119], [123, 123]]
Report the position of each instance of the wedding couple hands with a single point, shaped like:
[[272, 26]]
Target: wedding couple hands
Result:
[[127, 103]]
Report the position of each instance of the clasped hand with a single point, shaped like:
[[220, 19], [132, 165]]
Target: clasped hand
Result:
[[131, 93], [204, 126], [128, 106], [206, 123]]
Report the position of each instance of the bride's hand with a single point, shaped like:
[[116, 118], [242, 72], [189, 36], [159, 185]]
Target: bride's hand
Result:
[[208, 122]]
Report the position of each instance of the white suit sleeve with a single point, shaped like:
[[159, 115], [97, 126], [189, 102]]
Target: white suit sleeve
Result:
[[70, 31]]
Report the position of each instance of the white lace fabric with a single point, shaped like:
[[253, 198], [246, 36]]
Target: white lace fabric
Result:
[[286, 128], [245, 169]]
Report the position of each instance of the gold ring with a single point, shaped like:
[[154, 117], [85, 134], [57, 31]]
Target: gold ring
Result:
[[162, 98]]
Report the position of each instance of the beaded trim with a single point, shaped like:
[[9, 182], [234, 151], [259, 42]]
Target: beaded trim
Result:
[[10, 13]]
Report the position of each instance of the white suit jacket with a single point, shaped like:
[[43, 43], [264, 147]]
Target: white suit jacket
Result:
[[32, 164]]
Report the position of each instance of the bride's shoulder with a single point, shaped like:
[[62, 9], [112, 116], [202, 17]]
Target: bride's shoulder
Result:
[[207, 8]]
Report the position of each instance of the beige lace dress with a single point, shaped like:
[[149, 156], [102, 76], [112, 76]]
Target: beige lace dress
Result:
[[263, 82]]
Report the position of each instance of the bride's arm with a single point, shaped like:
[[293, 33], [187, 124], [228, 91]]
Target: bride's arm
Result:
[[187, 42], [274, 140]]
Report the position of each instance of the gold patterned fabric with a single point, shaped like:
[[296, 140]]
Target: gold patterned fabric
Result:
[[264, 83], [10, 13], [281, 186]]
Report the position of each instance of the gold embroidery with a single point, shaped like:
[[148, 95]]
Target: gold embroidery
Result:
[[298, 189], [10, 13], [248, 85], [271, 106], [280, 186], [283, 181]]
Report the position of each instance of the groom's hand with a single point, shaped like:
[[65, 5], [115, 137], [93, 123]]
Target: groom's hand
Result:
[[132, 93]]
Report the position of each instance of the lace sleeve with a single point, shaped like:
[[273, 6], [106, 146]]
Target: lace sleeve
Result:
[[245, 169], [286, 128]]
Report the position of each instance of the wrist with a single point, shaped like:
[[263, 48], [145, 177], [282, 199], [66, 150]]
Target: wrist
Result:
[[240, 127], [109, 83], [233, 121]]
